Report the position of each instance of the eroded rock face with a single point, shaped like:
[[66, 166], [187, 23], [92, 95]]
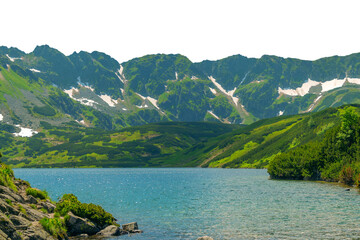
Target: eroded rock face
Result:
[[109, 231], [8, 228], [77, 225], [130, 227]]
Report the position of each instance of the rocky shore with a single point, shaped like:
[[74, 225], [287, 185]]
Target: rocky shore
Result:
[[28, 214]]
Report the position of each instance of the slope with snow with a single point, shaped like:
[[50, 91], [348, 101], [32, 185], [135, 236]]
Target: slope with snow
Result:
[[228, 93], [25, 132]]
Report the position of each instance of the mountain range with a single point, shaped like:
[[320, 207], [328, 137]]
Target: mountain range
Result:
[[95, 90]]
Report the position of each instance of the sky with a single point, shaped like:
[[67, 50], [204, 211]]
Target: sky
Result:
[[198, 29]]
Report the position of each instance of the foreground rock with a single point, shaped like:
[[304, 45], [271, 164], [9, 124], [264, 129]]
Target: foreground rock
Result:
[[205, 238], [31, 216]]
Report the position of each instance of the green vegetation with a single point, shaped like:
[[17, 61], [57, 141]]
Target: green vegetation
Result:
[[54, 226], [7, 176], [73, 146], [70, 203], [37, 193], [336, 157]]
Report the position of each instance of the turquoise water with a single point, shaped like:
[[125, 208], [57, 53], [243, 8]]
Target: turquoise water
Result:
[[222, 203]]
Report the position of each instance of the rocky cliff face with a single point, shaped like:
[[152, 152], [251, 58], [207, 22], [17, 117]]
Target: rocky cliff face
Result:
[[21, 214], [28, 214]]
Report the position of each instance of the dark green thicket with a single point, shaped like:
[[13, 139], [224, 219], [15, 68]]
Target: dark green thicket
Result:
[[37, 193], [335, 158], [95, 213]]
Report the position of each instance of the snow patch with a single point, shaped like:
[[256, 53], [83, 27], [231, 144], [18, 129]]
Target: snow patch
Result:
[[300, 91], [212, 90], [86, 102], [194, 78], [25, 132], [124, 109], [120, 74], [81, 122], [153, 102], [280, 113], [71, 92], [141, 96], [213, 114], [354, 80], [229, 93], [332, 84], [326, 86], [122, 91], [1, 117], [106, 98], [35, 70], [145, 106], [176, 75], [13, 58], [313, 104]]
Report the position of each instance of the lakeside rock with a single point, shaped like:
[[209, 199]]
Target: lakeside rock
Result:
[[28, 214]]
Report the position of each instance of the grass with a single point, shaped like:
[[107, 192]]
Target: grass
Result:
[[37, 193], [55, 227]]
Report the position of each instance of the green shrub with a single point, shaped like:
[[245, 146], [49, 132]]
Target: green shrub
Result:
[[347, 175], [7, 177], [37, 193], [95, 213], [55, 227]]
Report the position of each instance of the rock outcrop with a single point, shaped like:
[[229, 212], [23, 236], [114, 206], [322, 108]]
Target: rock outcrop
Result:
[[22, 217]]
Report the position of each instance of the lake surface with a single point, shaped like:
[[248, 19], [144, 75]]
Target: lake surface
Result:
[[188, 203]]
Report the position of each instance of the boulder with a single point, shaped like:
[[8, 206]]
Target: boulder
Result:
[[77, 225], [48, 206], [32, 200], [109, 231], [8, 228], [33, 233], [205, 238], [130, 227]]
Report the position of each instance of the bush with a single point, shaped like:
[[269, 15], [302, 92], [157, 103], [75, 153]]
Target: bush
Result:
[[347, 175], [95, 213], [7, 177], [55, 227], [37, 193]]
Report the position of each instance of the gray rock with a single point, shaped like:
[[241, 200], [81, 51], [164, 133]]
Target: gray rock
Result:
[[33, 233], [20, 222], [7, 191], [77, 225], [32, 200], [48, 206], [33, 214], [130, 227], [205, 238], [6, 208], [109, 231], [8, 228]]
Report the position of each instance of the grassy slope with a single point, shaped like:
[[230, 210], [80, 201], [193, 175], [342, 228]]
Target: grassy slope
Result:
[[71, 146], [255, 145]]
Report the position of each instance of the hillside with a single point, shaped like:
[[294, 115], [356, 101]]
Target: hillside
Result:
[[97, 91], [74, 146], [170, 144], [336, 157], [255, 145]]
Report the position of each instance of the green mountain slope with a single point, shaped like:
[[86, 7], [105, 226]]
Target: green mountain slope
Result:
[[254, 146], [163, 87], [71, 146], [336, 157]]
